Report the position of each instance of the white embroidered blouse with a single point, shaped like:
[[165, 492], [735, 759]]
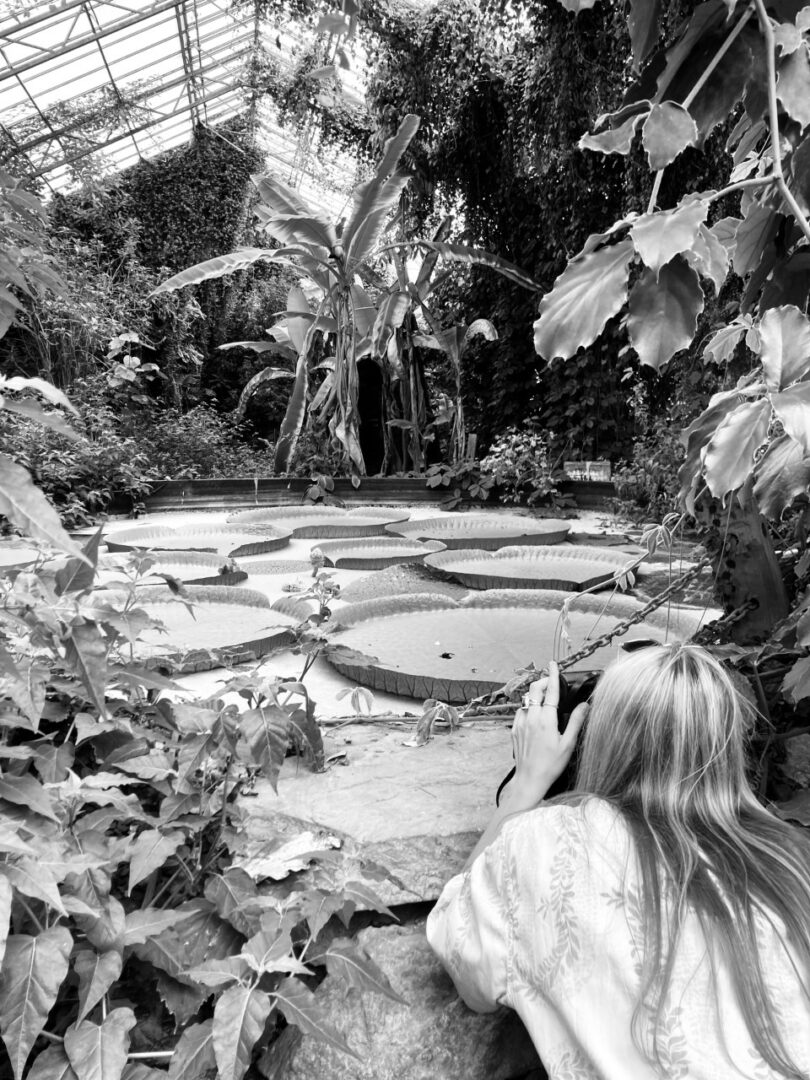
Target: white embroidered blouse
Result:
[[547, 920]]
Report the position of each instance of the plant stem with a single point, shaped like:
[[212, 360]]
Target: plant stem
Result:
[[144, 1055], [51, 1037], [773, 120], [701, 82], [33, 917]]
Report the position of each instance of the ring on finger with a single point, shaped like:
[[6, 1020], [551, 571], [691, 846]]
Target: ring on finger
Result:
[[527, 701]]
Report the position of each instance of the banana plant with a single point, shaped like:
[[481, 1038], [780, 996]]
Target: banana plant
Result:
[[337, 260]]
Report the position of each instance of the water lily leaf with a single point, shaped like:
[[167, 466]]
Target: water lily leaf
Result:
[[591, 290], [353, 964], [793, 409], [34, 969], [784, 334], [150, 851], [300, 1007], [97, 972], [239, 1018], [663, 313], [660, 236], [616, 140], [667, 131], [99, 1051], [793, 85], [193, 1056], [729, 458]]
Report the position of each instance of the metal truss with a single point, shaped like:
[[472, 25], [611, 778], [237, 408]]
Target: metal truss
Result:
[[105, 83]]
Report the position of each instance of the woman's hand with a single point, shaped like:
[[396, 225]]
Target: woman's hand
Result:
[[541, 752]]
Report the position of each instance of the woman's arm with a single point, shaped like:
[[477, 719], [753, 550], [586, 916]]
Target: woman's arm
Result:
[[541, 753]]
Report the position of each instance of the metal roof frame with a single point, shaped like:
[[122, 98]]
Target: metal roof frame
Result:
[[157, 68]]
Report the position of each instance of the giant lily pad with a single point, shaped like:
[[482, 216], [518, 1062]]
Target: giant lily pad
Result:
[[317, 522], [375, 553], [15, 555], [192, 568], [220, 539], [208, 623], [560, 567], [483, 531], [423, 646]]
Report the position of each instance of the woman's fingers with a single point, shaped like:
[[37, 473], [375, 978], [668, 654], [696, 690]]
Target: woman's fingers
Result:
[[552, 696]]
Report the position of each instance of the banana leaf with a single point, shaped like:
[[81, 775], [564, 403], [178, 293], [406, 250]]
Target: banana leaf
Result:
[[293, 418], [460, 253], [252, 385]]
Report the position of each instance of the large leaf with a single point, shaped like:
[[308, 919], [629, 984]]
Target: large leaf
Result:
[[469, 256], [252, 385], [353, 964], [660, 236], [784, 333], [150, 851], [97, 972], [34, 968], [392, 311], [265, 733], [293, 418], [793, 409], [782, 474], [216, 268], [52, 1064], [239, 1018], [754, 233], [793, 85], [77, 575], [86, 653], [667, 131], [147, 922], [295, 229], [591, 290], [280, 198], [663, 314], [193, 1056], [27, 791], [32, 410], [228, 892], [25, 506], [298, 327], [25, 683], [729, 458], [99, 1051], [6, 893], [642, 22], [616, 140], [709, 257], [50, 392], [300, 1007]]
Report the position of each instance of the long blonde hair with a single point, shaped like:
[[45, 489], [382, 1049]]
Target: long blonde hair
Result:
[[665, 742]]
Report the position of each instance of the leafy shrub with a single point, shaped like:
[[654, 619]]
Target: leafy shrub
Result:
[[202, 442], [647, 485], [517, 462], [463, 479]]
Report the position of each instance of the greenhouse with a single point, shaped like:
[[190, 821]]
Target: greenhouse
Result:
[[404, 539]]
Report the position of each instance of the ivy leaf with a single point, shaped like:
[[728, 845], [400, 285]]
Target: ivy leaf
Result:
[[667, 131], [660, 236], [239, 1018], [22, 502], [613, 141], [147, 922], [784, 334], [663, 314], [52, 1064], [782, 473], [591, 290], [99, 1051], [353, 964], [793, 409], [265, 732], [150, 851], [34, 968], [793, 85], [97, 972], [729, 458], [300, 1007], [86, 653], [642, 22], [193, 1055]]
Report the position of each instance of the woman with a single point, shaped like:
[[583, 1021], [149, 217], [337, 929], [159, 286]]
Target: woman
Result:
[[656, 921]]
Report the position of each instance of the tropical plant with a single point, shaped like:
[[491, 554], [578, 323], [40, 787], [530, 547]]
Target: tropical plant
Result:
[[333, 258], [517, 462], [749, 451]]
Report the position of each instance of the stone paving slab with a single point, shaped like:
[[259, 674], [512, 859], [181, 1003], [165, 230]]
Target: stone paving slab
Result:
[[417, 811]]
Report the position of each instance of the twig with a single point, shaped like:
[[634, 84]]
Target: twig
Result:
[[51, 1037], [701, 82], [773, 120], [144, 1055]]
